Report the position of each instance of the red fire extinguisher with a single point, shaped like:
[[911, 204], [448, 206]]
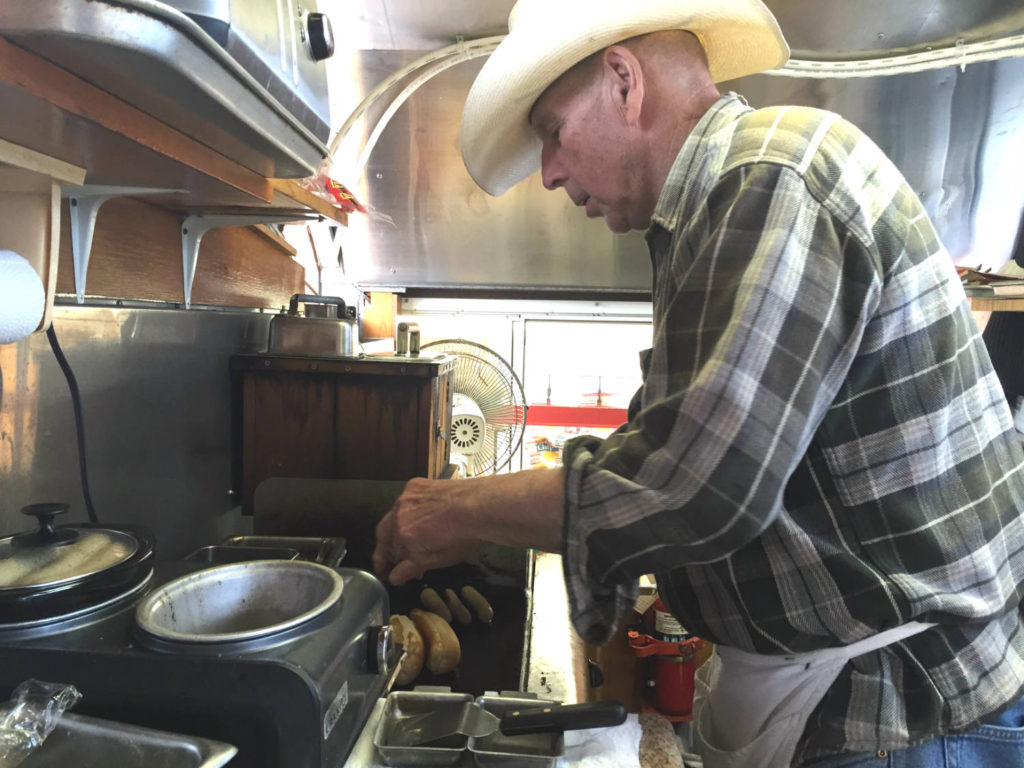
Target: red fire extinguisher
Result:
[[671, 653]]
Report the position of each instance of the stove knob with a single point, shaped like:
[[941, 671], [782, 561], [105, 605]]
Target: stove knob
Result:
[[321, 36], [384, 650]]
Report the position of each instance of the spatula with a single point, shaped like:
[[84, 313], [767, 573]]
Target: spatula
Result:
[[472, 720]]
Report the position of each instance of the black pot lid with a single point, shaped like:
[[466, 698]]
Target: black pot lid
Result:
[[52, 556]]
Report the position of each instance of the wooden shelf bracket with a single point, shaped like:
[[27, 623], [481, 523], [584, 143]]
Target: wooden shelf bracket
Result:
[[84, 202], [198, 224]]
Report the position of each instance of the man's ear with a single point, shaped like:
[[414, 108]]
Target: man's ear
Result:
[[624, 82]]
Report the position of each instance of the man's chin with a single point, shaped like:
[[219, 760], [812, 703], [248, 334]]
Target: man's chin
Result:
[[617, 225]]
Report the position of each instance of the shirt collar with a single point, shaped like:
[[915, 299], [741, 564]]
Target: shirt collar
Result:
[[668, 210]]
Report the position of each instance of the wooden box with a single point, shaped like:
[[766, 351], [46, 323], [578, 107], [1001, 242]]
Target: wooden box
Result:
[[343, 418]]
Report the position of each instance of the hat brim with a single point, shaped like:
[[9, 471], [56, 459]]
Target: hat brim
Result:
[[499, 148]]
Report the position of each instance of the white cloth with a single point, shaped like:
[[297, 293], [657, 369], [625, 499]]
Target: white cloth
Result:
[[614, 747], [751, 709]]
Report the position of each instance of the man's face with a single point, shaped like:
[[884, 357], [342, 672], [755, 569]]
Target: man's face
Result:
[[585, 151]]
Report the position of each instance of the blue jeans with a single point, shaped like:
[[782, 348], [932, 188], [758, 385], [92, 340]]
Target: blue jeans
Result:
[[997, 744]]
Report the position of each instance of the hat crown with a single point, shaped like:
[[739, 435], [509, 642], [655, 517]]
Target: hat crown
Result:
[[547, 37]]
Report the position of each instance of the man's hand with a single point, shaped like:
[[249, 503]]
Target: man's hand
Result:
[[436, 523], [425, 529]]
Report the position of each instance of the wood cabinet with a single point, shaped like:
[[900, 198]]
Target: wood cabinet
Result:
[[342, 418]]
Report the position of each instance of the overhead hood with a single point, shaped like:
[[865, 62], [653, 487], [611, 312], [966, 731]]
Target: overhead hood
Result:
[[957, 134], [245, 78]]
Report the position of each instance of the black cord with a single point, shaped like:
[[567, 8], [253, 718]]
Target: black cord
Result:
[[76, 402]]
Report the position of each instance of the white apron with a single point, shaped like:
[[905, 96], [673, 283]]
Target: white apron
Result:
[[750, 709]]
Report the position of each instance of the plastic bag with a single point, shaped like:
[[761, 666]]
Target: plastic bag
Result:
[[323, 186], [29, 717]]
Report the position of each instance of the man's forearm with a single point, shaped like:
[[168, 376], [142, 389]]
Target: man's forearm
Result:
[[522, 509]]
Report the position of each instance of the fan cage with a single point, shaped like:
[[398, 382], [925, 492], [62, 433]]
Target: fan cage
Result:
[[485, 377]]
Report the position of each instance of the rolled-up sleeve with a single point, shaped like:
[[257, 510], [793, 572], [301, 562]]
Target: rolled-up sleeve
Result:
[[759, 308]]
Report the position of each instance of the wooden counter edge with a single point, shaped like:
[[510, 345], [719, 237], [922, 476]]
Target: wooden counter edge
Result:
[[292, 189]]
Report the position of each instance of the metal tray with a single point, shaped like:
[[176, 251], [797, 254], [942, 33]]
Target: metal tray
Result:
[[88, 742], [221, 553], [326, 550], [534, 750], [399, 707]]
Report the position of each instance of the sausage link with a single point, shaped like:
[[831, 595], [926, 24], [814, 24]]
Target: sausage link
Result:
[[459, 611], [479, 603], [433, 603]]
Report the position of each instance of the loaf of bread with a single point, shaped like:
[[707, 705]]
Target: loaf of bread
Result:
[[443, 649], [409, 637]]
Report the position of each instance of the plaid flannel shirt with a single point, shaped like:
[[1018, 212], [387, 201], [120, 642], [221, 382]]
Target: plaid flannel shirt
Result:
[[820, 449]]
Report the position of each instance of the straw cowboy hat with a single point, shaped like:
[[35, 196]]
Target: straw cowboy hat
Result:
[[547, 37]]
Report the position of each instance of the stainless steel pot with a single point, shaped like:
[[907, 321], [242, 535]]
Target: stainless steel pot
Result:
[[239, 602], [53, 571], [326, 329]]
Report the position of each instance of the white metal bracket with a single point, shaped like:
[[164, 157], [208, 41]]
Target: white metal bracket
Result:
[[198, 224], [84, 201]]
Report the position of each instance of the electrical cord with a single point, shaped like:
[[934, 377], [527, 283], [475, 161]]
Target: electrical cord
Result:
[[76, 402]]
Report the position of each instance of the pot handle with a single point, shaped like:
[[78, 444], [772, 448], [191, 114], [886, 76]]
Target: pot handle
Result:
[[47, 535], [306, 298]]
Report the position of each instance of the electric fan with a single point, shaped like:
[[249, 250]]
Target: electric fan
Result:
[[488, 406]]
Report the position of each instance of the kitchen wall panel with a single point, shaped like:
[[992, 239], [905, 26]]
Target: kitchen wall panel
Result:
[[155, 387]]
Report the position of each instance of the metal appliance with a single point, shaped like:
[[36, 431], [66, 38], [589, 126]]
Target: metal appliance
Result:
[[245, 77], [298, 699], [327, 329]]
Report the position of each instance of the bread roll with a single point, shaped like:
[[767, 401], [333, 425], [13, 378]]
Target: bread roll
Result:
[[407, 636], [443, 649]]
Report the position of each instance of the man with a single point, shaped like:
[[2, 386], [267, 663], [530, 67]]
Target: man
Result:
[[820, 465]]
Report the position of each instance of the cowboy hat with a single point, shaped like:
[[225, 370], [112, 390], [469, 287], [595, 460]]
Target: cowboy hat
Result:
[[547, 37]]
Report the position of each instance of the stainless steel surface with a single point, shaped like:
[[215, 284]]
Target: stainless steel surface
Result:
[[86, 614], [557, 663], [270, 39], [818, 27], [89, 742], [329, 551], [957, 136], [401, 706], [50, 557], [238, 602], [314, 336], [325, 328], [156, 398], [428, 727], [386, 651], [535, 750], [160, 61], [219, 553]]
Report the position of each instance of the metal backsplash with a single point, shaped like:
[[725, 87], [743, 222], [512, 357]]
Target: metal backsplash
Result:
[[156, 398], [957, 135]]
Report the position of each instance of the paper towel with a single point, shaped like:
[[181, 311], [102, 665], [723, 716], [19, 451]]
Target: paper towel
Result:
[[22, 297]]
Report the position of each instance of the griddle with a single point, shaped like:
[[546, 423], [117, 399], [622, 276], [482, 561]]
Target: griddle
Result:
[[493, 657]]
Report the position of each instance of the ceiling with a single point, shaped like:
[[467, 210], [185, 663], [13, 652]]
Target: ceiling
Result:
[[957, 134]]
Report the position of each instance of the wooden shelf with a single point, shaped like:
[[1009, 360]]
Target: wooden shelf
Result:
[[996, 303], [137, 248], [50, 110]]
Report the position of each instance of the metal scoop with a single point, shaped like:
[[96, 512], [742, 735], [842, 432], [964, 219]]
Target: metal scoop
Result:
[[472, 720]]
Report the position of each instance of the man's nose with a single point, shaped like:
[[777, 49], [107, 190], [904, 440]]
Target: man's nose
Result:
[[551, 171]]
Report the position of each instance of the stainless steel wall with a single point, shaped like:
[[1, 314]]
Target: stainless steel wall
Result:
[[958, 136], [156, 398]]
